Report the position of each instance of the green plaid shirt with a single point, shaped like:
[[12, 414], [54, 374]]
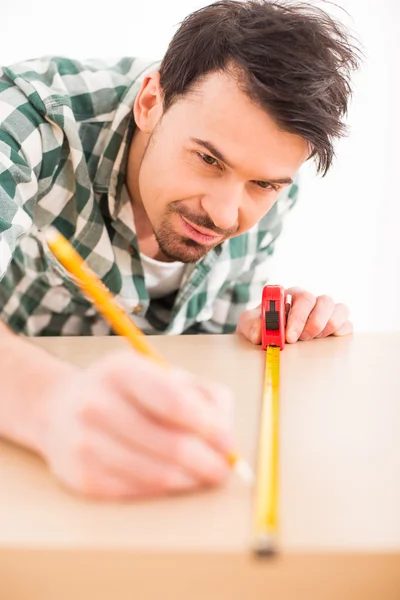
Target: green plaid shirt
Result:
[[65, 129]]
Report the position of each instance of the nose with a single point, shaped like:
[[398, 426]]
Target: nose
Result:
[[222, 206]]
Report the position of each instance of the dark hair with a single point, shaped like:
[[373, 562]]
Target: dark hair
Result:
[[294, 60]]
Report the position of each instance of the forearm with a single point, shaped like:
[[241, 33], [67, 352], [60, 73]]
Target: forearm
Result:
[[26, 375]]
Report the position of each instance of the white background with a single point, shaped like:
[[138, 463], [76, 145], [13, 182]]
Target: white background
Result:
[[342, 238]]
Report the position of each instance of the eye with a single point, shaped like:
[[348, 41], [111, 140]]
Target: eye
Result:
[[209, 160], [265, 185]]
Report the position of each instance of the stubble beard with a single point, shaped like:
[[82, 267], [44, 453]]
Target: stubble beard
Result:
[[176, 247]]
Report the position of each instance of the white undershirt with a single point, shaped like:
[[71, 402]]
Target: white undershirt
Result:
[[161, 278]]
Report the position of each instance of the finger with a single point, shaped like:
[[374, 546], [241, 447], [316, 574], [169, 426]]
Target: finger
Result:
[[167, 394], [346, 329], [318, 318], [100, 483], [222, 400], [249, 325], [287, 310], [338, 319], [102, 455], [302, 304], [104, 486], [129, 426], [288, 298]]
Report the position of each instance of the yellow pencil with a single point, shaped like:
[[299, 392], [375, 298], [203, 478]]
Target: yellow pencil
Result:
[[115, 315]]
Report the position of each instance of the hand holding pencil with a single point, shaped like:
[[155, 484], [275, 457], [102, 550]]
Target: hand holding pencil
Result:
[[128, 426]]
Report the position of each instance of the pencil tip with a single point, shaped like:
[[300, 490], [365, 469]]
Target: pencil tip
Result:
[[245, 472]]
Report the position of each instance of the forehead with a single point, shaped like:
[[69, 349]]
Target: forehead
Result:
[[217, 110]]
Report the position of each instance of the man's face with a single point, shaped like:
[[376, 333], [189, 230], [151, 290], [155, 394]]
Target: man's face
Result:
[[213, 167]]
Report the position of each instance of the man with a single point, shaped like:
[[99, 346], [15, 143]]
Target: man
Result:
[[171, 181]]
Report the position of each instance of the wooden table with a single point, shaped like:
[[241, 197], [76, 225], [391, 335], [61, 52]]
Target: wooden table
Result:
[[340, 491]]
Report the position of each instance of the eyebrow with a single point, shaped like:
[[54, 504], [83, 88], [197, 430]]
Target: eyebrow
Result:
[[213, 150]]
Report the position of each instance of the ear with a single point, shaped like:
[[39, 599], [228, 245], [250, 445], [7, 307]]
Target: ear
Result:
[[148, 105]]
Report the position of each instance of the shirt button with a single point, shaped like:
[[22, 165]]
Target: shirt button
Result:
[[136, 309], [132, 250]]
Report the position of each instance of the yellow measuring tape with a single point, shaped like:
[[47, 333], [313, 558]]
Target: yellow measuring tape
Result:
[[266, 490]]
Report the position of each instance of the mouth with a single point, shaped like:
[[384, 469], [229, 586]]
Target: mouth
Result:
[[198, 235]]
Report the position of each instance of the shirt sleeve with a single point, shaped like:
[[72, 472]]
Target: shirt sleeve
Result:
[[245, 291], [20, 163]]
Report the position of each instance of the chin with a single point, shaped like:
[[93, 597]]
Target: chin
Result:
[[186, 250]]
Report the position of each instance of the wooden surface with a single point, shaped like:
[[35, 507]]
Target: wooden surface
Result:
[[339, 494]]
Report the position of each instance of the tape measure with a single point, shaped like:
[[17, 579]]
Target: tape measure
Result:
[[273, 323]]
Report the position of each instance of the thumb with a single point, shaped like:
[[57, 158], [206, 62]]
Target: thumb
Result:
[[249, 325]]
